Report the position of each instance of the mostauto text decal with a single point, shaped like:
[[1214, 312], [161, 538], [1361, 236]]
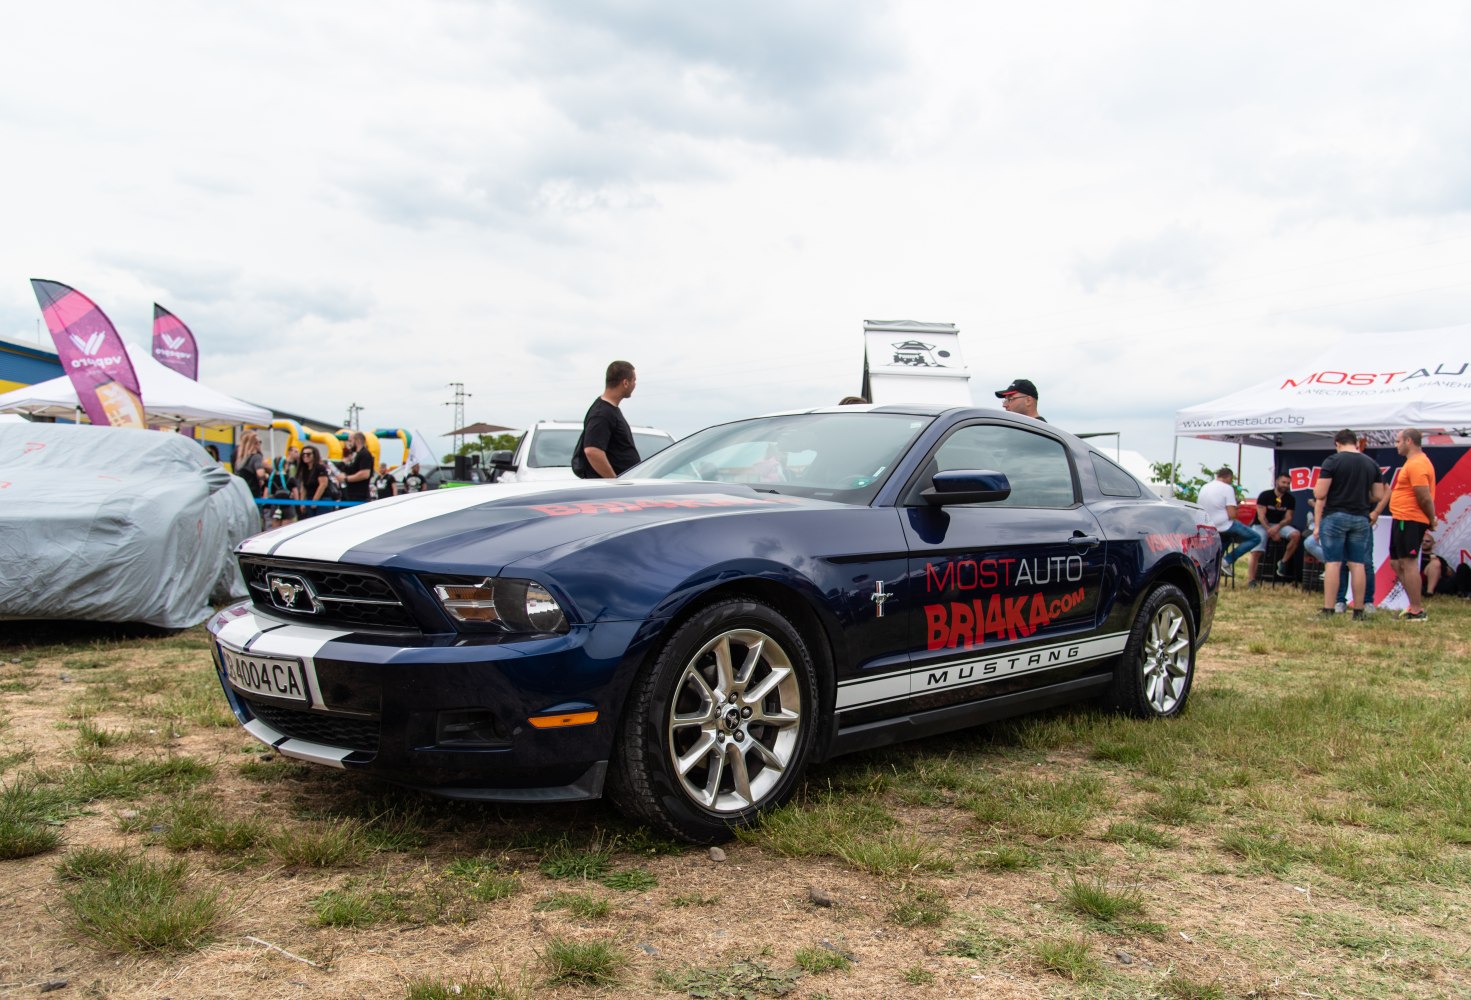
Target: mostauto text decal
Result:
[[964, 624]]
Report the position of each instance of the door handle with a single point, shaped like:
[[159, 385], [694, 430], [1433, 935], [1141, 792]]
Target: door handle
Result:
[[1082, 541]]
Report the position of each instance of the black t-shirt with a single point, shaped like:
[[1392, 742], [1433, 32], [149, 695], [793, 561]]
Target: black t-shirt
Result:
[[1353, 476], [311, 475], [248, 470], [362, 460], [414, 483], [1277, 507], [606, 427], [383, 485]]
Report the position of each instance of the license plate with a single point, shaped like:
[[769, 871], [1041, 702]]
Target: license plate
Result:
[[272, 676]]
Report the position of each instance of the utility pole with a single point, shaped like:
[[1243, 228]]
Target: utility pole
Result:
[[459, 404], [353, 410]]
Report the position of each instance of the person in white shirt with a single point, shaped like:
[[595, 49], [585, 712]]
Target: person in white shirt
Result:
[[1218, 497]]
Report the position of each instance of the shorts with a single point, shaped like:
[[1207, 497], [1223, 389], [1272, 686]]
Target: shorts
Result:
[[1405, 538], [1345, 538], [1284, 533]]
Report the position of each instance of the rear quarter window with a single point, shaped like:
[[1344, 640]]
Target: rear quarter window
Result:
[[1113, 480]]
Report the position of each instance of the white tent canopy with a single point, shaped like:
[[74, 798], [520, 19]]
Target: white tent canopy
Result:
[[1371, 382], [168, 399]]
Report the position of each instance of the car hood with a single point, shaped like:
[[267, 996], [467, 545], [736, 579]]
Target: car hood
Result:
[[480, 529]]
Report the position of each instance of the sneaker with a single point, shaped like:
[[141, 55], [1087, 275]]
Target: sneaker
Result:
[[1227, 569], [1327, 611], [1340, 608], [1280, 569], [1358, 614], [1411, 616], [1251, 585]]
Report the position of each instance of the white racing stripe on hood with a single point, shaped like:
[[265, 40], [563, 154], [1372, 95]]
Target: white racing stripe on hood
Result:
[[330, 540]]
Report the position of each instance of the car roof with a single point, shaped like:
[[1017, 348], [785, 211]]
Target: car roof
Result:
[[567, 425], [912, 409]]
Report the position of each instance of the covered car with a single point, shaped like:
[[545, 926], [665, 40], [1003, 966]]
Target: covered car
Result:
[[691, 636], [118, 525]]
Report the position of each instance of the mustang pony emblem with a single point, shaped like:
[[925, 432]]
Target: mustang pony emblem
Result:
[[287, 590]]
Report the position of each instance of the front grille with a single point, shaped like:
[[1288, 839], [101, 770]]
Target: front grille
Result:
[[329, 730], [342, 595]]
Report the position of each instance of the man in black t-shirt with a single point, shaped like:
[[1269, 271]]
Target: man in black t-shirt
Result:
[[384, 485], [358, 468], [415, 482], [606, 447], [1348, 489], [1274, 509]]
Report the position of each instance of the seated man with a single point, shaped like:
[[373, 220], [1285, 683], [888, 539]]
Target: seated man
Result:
[[1437, 574], [1274, 509], [1218, 498]]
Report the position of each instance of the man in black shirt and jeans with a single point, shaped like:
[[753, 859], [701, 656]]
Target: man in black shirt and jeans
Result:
[[1348, 488], [606, 447], [358, 468]]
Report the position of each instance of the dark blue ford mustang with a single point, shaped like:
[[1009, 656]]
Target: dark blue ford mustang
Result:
[[762, 595]]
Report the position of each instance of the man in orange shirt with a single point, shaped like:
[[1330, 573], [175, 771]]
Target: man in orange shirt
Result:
[[1412, 508]]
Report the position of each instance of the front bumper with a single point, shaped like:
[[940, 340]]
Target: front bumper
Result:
[[449, 714]]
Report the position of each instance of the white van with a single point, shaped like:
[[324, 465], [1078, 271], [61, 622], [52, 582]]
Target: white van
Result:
[[545, 451]]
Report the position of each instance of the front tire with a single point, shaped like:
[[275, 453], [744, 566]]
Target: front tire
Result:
[[720, 726], [1154, 676]]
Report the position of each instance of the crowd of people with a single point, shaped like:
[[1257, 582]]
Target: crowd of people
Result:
[[309, 484], [1349, 496]]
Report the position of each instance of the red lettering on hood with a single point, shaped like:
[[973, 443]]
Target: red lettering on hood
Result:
[[656, 503]]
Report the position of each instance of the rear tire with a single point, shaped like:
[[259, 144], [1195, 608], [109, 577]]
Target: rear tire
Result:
[[720, 725], [1155, 673]]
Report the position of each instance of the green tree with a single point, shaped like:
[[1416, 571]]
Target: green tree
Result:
[[1185, 489], [484, 444]]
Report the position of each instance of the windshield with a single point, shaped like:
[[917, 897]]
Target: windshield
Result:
[[829, 456], [552, 447]]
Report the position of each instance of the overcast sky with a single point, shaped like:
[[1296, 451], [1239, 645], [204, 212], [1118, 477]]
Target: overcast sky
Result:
[[1137, 206]]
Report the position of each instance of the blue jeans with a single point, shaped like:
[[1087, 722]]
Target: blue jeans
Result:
[[1339, 536], [1242, 537]]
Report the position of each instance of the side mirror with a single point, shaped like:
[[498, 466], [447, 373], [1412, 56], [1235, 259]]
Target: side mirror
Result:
[[501, 460], [967, 486]]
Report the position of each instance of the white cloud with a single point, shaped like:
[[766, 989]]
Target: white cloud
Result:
[[1139, 206]]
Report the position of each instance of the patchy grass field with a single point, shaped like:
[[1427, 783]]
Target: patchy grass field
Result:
[[1304, 830]]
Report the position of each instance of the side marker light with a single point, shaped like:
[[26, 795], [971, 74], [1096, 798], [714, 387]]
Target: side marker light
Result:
[[563, 721]]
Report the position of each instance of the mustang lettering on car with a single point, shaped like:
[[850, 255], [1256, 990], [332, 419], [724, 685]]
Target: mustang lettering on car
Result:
[[689, 638]]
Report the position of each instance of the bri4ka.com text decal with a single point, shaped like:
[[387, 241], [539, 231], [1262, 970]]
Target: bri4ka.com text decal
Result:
[[963, 624]]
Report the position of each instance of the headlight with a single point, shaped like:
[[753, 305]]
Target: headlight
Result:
[[510, 605]]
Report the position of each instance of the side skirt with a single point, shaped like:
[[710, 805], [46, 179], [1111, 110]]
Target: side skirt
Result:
[[943, 720]]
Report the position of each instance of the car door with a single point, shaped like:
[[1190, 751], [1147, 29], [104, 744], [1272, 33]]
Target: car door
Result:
[[1006, 594]]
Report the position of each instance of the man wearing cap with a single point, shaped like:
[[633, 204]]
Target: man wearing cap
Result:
[[1021, 398]]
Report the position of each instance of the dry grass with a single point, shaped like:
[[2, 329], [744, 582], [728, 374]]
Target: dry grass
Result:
[[1305, 829]]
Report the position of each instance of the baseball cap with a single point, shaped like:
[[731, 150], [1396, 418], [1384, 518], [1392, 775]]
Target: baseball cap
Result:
[[1021, 385]]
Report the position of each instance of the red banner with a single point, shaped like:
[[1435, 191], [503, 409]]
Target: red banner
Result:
[[93, 356]]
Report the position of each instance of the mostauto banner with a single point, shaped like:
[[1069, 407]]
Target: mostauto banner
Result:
[[173, 343], [92, 355], [1452, 505], [1420, 378]]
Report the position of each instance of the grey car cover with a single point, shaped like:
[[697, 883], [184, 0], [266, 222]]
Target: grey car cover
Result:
[[114, 524]]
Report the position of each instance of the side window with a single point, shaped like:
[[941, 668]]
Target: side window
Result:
[[1036, 465], [1112, 480]]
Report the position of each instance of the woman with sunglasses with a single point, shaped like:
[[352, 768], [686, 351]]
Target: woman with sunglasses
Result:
[[314, 478]]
